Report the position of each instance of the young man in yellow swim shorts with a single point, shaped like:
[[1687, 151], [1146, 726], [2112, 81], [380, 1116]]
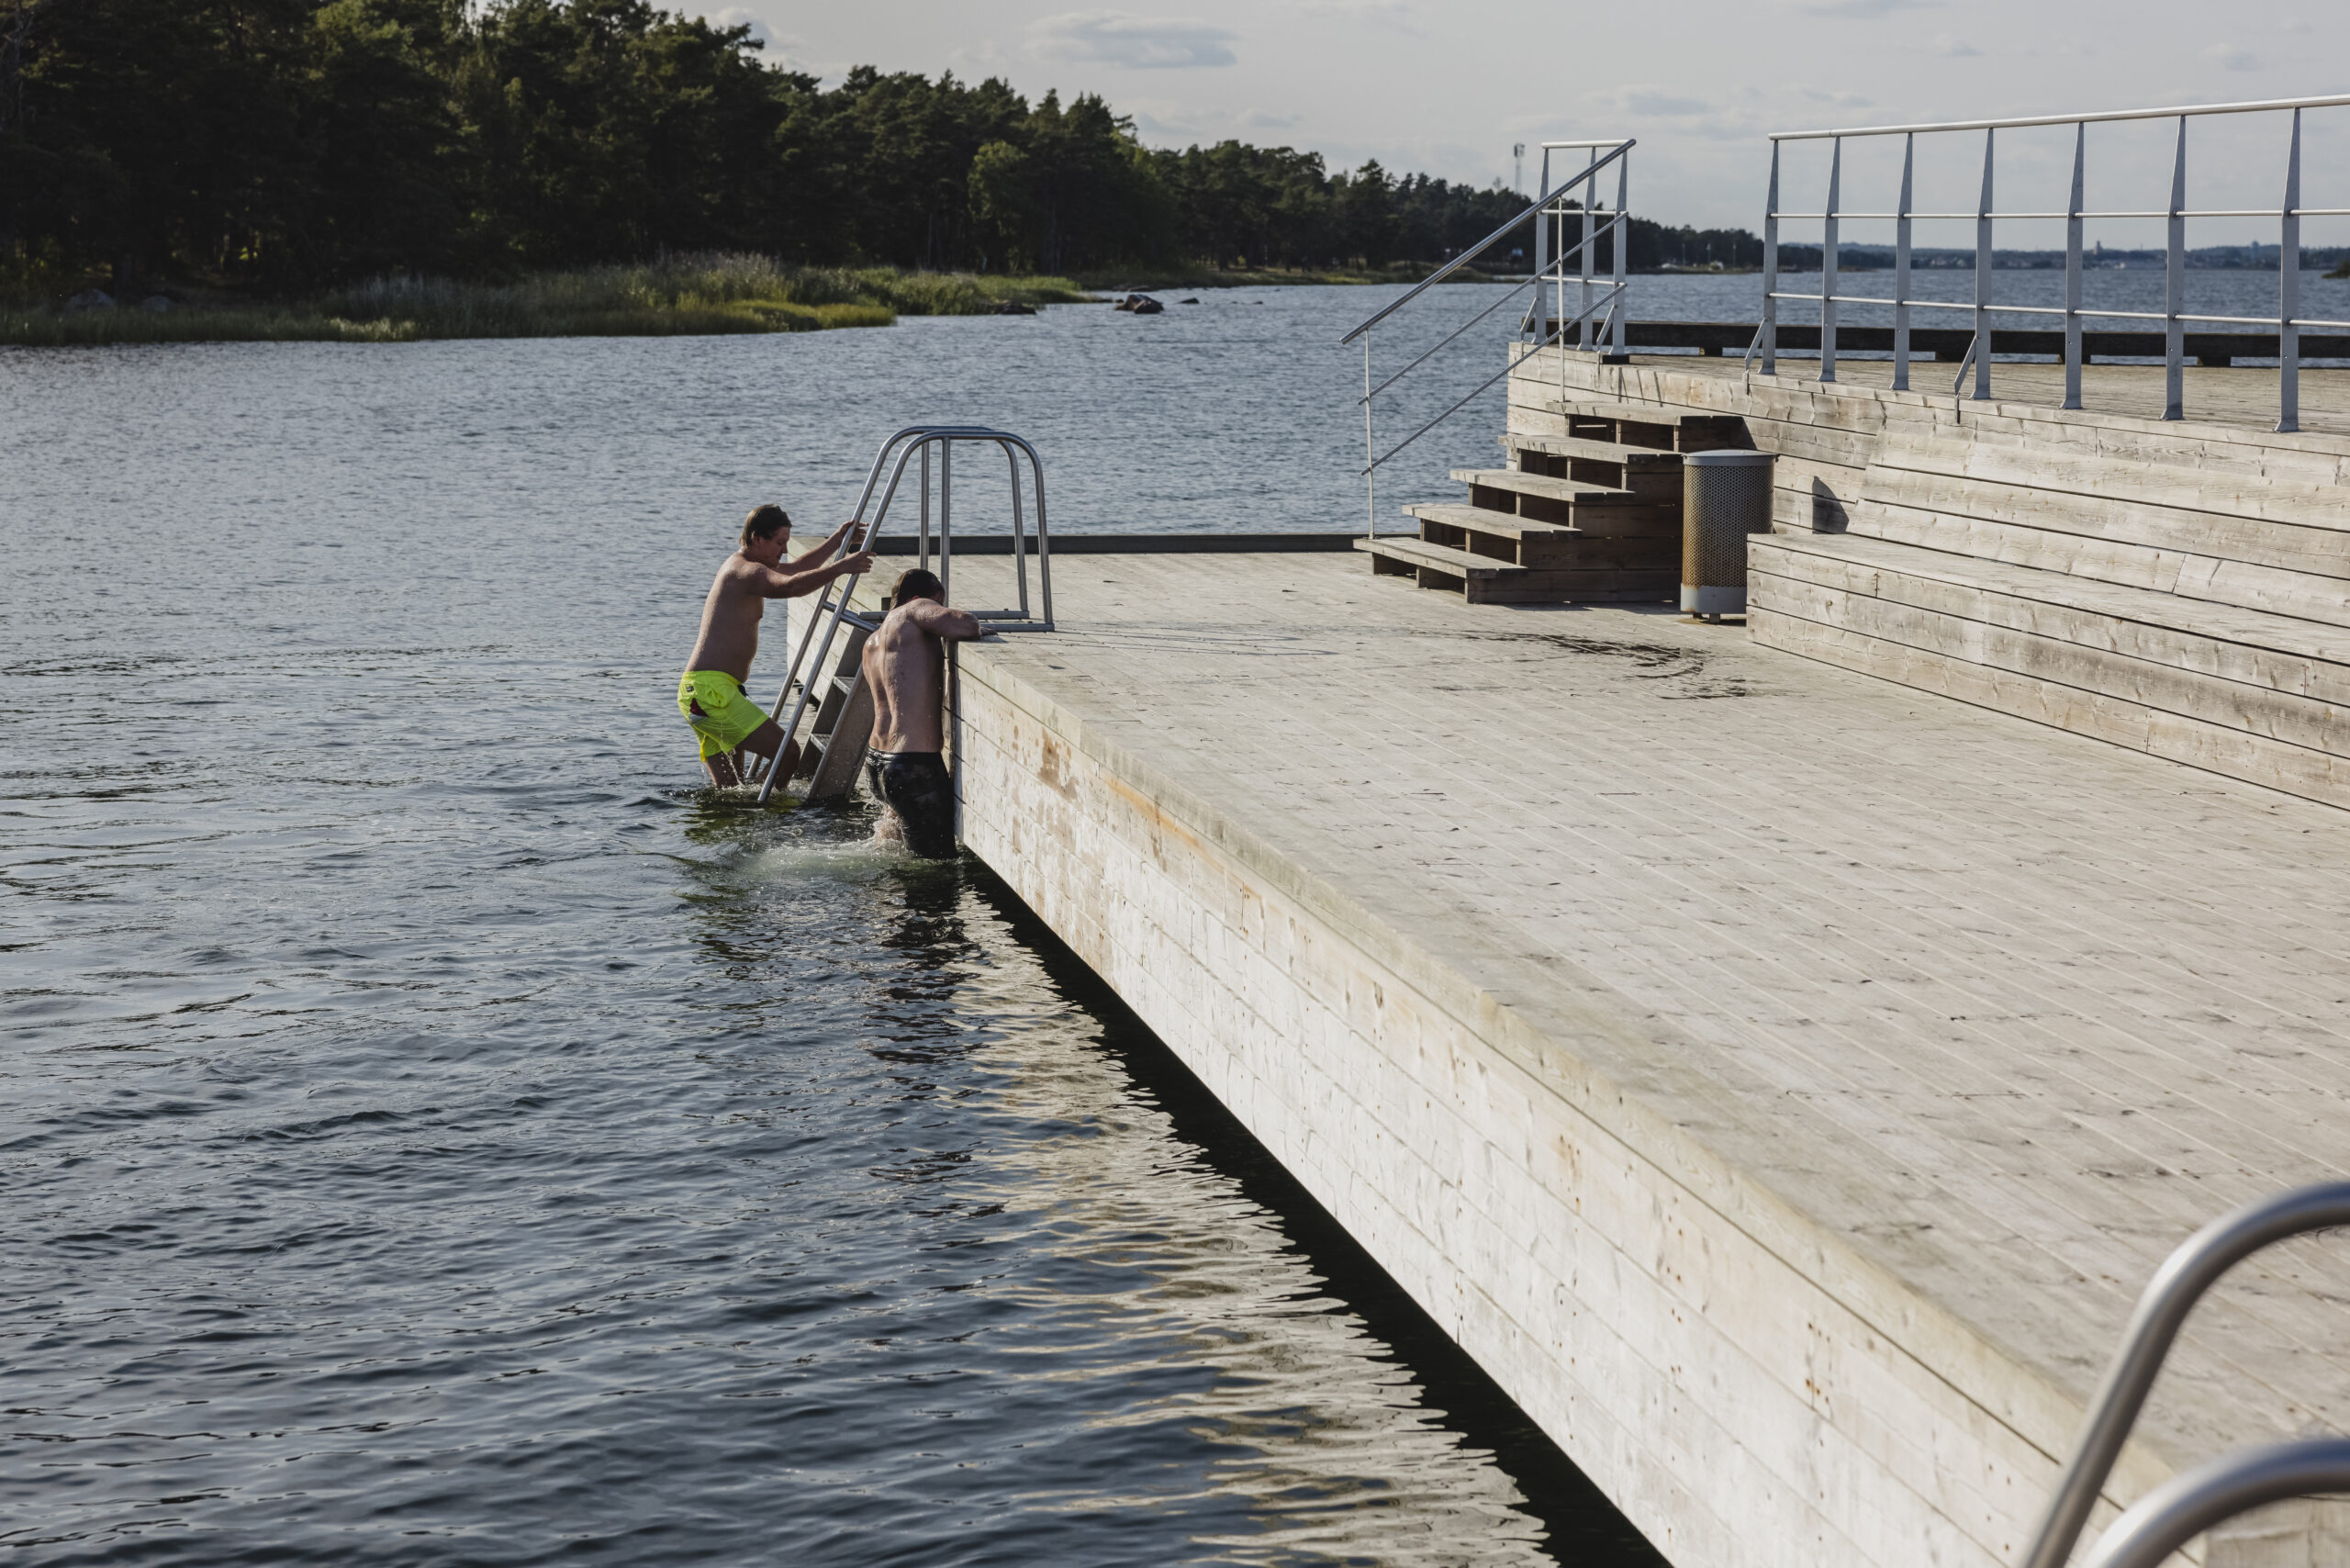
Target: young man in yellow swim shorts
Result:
[[710, 694]]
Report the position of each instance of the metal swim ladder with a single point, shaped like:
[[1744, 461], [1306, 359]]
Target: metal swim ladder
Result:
[[837, 742], [2188, 1504]]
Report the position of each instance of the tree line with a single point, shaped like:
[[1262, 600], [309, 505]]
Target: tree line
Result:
[[289, 144]]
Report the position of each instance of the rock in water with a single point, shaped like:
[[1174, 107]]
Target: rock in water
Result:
[[1146, 306]]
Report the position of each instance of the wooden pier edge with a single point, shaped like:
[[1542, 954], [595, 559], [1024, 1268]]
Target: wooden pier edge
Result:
[[1601, 1232]]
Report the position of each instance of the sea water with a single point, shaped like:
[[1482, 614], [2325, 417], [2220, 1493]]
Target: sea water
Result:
[[434, 1129]]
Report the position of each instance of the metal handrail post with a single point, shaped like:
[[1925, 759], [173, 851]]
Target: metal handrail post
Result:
[[1590, 195], [1901, 269], [1983, 268], [1771, 270], [946, 516], [2288, 291], [1828, 262], [1044, 537], [2073, 270], [1540, 325], [1019, 527], [2177, 1285], [2174, 289], [1370, 469], [2186, 1506], [922, 559], [1621, 243]]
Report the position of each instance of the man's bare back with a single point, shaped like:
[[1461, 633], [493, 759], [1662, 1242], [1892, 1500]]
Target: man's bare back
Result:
[[904, 666], [905, 670], [710, 694]]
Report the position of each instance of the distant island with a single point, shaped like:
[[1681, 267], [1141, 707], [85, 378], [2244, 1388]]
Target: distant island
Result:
[[402, 168]]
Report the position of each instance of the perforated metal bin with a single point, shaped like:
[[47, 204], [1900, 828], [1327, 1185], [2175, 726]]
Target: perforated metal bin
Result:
[[1725, 495]]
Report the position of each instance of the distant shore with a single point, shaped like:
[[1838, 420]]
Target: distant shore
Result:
[[684, 295], [680, 295]]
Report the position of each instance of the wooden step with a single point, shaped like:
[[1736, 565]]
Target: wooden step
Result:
[[1642, 413], [2255, 695], [1482, 580], [1569, 491], [1587, 449], [1544, 546], [1594, 508], [1652, 475], [1653, 425]]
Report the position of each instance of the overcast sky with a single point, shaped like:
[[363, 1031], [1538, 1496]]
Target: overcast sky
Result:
[[1449, 88]]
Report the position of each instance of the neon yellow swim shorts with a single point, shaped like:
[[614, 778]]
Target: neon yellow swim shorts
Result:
[[713, 704]]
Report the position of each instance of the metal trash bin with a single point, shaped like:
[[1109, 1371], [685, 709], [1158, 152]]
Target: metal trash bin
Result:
[[1725, 495]]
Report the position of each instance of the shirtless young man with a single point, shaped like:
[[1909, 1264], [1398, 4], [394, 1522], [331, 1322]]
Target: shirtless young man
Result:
[[905, 669], [710, 694]]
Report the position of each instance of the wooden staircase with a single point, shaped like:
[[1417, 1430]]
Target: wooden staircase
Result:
[[1592, 515]]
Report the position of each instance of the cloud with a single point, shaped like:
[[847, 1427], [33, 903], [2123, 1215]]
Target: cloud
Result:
[[1952, 46], [1860, 9], [737, 17], [2229, 57], [1137, 43], [1655, 101], [1393, 15]]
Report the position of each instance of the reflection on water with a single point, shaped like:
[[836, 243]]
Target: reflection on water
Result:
[[433, 1131]]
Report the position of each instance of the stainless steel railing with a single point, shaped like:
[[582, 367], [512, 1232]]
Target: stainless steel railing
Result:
[[2288, 213], [2190, 1504], [1540, 326], [802, 678]]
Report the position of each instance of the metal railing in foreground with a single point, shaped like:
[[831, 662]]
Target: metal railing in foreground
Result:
[[2190, 1504], [2288, 213], [1539, 326], [916, 444]]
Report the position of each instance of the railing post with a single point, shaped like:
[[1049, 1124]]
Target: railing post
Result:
[[1983, 265], [1369, 451], [1623, 244], [2288, 291], [2174, 289], [1590, 235], [2073, 273], [1828, 264], [1901, 269], [1771, 270], [1541, 311]]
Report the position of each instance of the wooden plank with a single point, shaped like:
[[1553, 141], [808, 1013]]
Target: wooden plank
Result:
[[2154, 667], [2323, 553], [1633, 459], [1420, 553], [2296, 770], [1544, 485]]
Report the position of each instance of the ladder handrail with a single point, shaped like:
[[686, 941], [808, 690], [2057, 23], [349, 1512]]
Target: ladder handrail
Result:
[[2191, 1270], [2186, 1506], [832, 605]]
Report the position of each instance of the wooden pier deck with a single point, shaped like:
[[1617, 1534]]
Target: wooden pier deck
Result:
[[2240, 395], [1781, 1079]]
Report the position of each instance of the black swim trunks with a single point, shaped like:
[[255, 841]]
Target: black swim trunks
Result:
[[915, 785]]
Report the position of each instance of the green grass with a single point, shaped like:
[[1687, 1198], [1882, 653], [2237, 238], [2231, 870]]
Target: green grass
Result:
[[681, 295]]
